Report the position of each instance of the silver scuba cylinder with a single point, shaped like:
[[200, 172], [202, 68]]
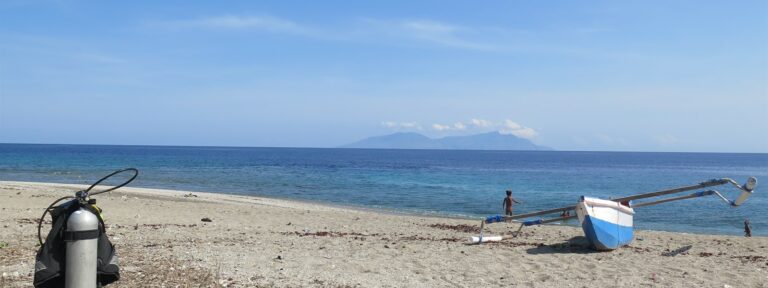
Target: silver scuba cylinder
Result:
[[82, 238]]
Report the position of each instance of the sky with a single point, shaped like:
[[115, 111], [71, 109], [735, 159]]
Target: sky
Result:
[[573, 75]]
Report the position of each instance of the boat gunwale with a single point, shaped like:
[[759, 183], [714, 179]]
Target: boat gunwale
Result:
[[608, 204]]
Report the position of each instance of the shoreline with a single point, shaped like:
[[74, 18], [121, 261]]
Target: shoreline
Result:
[[360, 208], [355, 207], [266, 242]]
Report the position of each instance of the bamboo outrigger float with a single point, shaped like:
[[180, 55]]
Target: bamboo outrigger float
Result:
[[608, 224]]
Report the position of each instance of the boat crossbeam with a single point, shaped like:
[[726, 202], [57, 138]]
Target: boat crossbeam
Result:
[[710, 183], [694, 195], [499, 218], [705, 184], [746, 191]]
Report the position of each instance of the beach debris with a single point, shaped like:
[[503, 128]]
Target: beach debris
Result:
[[357, 236], [638, 249], [532, 244], [206, 219], [31, 221], [279, 257], [3, 245], [289, 224], [750, 258], [722, 242], [481, 239], [677, 251], [386, 246], [460, 227], [254, 278], [15, 274], [189, 195]]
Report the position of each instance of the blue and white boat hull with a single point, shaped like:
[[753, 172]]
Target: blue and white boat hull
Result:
[[607, 224]]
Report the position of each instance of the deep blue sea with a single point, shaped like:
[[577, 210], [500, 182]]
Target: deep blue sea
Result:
[[433, 182]]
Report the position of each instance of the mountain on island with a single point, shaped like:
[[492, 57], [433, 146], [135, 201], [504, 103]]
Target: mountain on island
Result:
[[485, 141]]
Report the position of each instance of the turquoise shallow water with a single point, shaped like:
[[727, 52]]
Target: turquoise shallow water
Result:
[[453, 183]]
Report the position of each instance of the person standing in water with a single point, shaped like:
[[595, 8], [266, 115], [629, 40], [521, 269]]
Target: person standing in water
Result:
[[747, 228], [508, 203]]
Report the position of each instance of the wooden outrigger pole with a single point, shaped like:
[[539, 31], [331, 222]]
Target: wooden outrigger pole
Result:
[[746, 191]]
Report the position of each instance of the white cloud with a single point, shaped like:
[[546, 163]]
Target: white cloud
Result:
[[411, 125], [525, 132], [238, 22], [402, 125], [427, 31], [390, 30], [481, 123], [458, 126], [389, 124], [511, 127], [442, 34], [439, 127], [429, 27], [234, 22], [507, 126]]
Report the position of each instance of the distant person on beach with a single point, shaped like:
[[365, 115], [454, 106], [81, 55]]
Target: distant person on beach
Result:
[[508, 203], [747, 228]]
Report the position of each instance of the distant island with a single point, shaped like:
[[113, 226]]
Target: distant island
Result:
[[484, 141]]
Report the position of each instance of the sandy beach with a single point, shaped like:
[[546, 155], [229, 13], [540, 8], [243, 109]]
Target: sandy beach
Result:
[[262, 242]]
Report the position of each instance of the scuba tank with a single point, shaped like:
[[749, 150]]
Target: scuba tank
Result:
[[82, 238], [77, 252]]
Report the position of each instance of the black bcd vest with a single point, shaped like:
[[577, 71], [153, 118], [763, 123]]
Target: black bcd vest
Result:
[[51, 258]]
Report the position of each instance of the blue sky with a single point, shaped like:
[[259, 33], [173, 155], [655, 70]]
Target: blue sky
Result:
[[573, 75]]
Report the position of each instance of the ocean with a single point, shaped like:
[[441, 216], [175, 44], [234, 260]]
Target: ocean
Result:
[[450, 183]]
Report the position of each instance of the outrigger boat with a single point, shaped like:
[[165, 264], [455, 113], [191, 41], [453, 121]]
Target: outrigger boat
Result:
[[608, 224]]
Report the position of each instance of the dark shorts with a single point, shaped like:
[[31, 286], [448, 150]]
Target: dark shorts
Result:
[[508, 213]]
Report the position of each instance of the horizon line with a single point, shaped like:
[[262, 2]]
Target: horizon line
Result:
[[308, 147]]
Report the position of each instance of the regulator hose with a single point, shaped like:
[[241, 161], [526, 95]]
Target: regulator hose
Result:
[[135, 173], [84, 193]]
